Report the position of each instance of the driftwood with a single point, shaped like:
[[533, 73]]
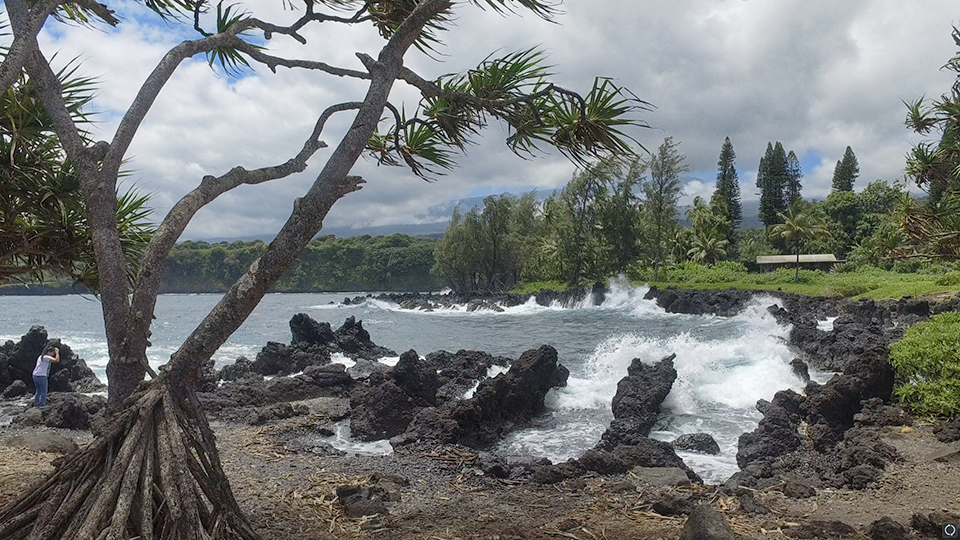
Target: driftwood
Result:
[[154, 473]]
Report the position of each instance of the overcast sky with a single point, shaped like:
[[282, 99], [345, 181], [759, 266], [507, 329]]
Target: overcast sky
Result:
[[815, 75]]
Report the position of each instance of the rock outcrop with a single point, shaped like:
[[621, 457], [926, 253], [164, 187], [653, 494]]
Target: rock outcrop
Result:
[[312, 344], [499, 405], [636, 404], [387, 402], [459, 372], [702, 443], [71, 374], [64, 410]]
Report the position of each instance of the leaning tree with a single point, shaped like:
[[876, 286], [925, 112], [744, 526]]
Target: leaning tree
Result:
[[153, 471]]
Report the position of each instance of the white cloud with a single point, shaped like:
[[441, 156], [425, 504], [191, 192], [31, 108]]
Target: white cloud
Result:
[[818, 76]]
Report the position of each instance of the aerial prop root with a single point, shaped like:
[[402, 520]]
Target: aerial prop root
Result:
[[153, 473]]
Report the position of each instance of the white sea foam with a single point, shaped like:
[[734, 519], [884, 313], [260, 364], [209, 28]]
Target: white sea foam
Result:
[[389, 360], [826, 325], [340, 358], [724, 365], [492, 371], [341, 440], [331, 306]]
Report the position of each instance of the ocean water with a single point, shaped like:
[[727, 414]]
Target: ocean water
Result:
[[724, 364]]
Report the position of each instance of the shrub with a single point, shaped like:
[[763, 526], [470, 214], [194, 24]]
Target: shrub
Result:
[[927, 363], [952, 278]]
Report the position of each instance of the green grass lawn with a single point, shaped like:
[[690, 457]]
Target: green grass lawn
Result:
[[861, 283]]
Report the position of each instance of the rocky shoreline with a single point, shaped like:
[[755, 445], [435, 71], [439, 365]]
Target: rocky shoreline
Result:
[[833, 436]]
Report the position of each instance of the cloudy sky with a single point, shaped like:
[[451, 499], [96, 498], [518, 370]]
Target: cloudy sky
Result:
[[816, 75]]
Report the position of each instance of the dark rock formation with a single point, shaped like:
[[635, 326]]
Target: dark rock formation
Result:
[[16, 389], [776, 434], [352, 340], [307, 331], [930, 525], [416, 377], [637, 401], [315, 381], [696, 302], [705, 523], [64, 410], [312, 344], [947, 430], [242, 399], [799, 368], [886, 528], [385, 405], [489, 300], [497, 407], [874, 412], [703, 443], [71, 374], [460, 371], [240, 369]]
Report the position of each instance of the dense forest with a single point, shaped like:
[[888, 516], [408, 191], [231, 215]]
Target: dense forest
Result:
[[359, 263]]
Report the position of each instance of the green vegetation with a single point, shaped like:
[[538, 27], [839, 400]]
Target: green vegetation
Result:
[[728, 187], [359, 263], [863, 282], [801, 223], [44, 230], [846, 172], [927, 364]]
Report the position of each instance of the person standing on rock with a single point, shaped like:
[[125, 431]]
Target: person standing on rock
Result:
[[40, 373]]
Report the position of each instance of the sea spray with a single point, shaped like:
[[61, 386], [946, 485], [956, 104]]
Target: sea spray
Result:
[[724, 366]]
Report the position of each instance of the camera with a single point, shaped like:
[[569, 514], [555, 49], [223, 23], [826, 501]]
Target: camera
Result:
[[949, 530]]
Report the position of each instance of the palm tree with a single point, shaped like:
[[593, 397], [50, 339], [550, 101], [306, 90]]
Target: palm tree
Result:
[[801, 223], [708, 246]]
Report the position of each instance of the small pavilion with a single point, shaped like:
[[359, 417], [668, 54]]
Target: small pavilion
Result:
[[818, 261]]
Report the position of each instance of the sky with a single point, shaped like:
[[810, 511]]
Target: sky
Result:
[[816, 75]]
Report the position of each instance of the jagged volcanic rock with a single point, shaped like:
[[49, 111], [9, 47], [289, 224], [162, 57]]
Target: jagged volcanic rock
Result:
[[498, 406], [637, 401]]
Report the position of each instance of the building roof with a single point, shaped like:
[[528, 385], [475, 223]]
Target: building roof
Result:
[[792, 259]]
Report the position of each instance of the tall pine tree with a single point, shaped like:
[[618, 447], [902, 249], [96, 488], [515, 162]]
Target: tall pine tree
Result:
[[728, 184], [791, 191], [846, 172], [772, 179]]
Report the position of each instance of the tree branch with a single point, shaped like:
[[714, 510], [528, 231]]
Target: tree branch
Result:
[[26, 24], [100, 197], [310, 16], [151, 266], [273, 61], [309, 212], [151, 89]]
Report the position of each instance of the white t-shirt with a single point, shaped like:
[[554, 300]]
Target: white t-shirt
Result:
[[43, 366]]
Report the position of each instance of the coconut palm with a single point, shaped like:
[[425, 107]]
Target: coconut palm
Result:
[[708, 246], [801, 223]]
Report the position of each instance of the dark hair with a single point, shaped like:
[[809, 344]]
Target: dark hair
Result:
[[49, 349]]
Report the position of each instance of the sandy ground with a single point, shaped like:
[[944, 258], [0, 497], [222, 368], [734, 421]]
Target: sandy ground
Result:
[[289, 495]]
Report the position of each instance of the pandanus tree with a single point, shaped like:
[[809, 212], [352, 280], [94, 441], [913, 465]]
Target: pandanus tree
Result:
[[43, 223], [153, 471], [801, 223]]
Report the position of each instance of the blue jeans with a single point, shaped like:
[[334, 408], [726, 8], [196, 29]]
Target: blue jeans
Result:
[[40, 397]]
